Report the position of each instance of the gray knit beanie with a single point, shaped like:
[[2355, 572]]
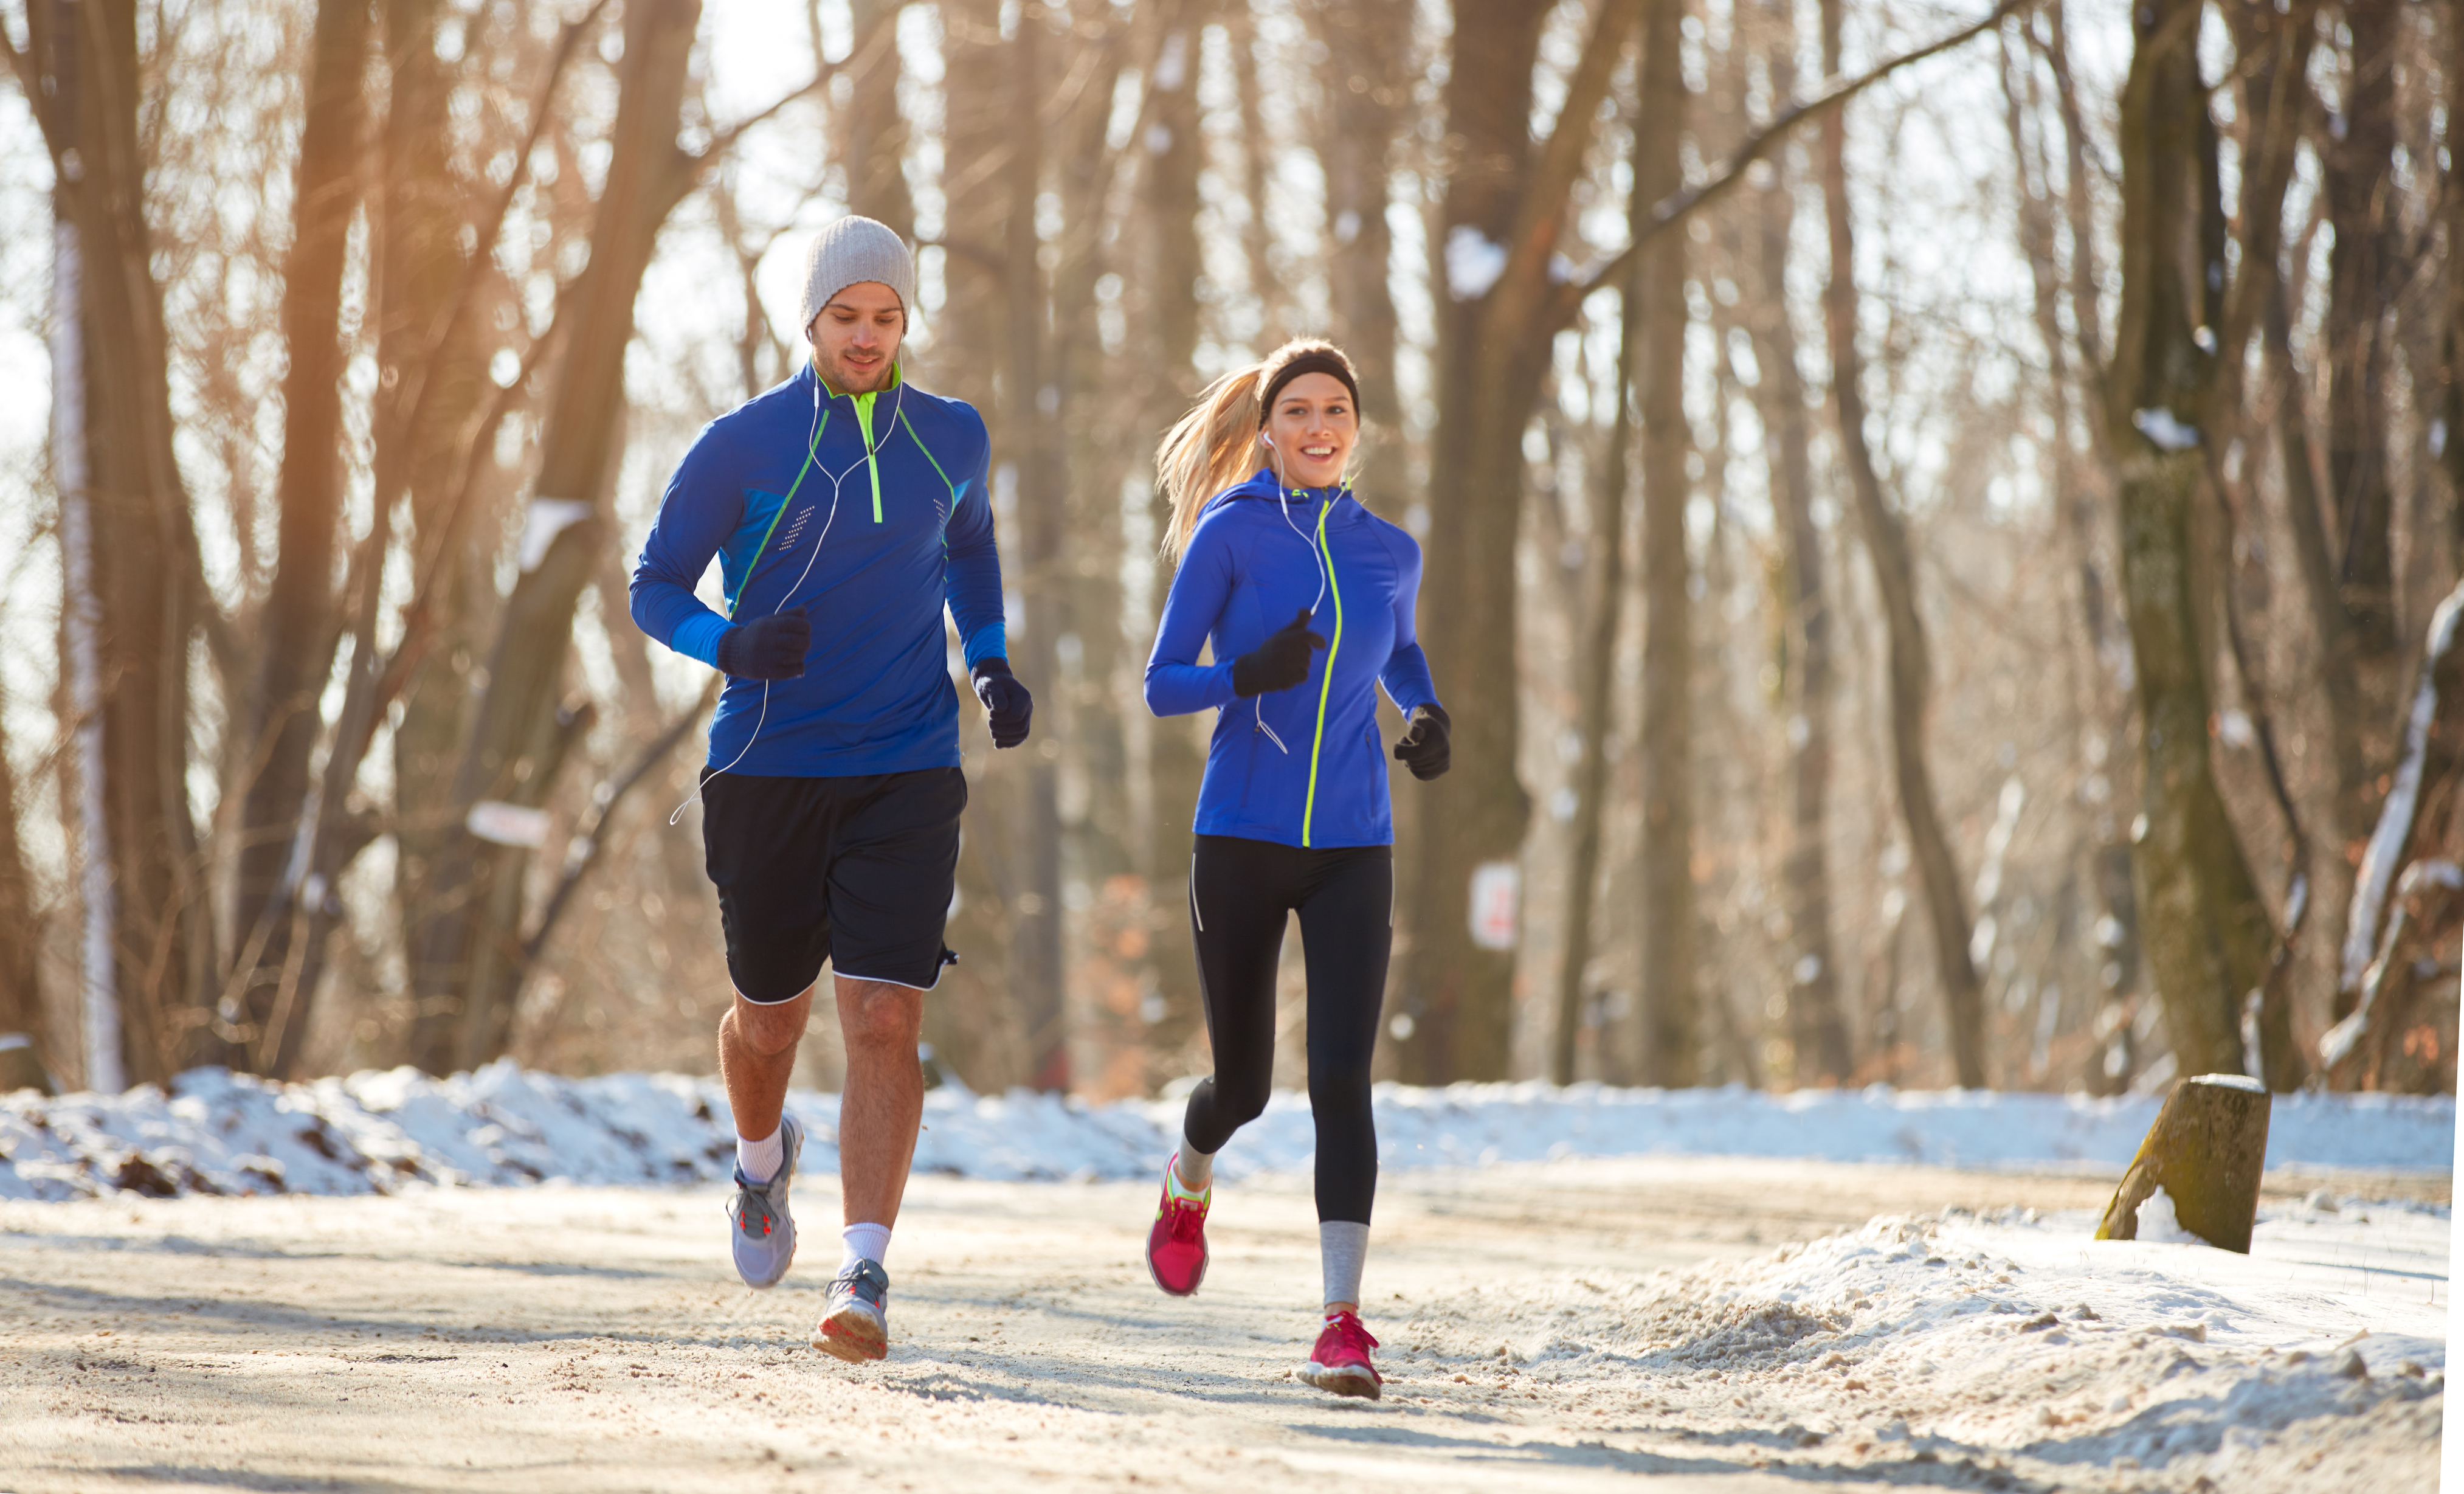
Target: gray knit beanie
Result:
[[850, 252]]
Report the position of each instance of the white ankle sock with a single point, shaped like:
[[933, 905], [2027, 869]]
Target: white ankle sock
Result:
[[1195, 1171], [1343, 1246], [864, 1243], [760, 1160]]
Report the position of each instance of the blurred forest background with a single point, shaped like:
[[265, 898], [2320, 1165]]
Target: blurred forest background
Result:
[[1937, 520]]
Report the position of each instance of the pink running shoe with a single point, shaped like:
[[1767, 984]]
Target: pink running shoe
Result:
[[1340, 1364], [1177, 1244]]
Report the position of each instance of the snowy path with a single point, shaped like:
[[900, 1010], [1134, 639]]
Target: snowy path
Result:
[[1711, 1324]]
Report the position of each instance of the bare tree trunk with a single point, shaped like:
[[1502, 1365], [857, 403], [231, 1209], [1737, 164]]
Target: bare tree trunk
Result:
[[2272, 55], [147, 578], [462, 943], [1454, 992], [975, 1031], [1167, 337], [2208, 937], [21, 932], [872, 132], [1672, 1017], [84, 800], [421, 263], [1109, 942], [2104, 855], [1030, 400], [295, 632], [1886, 546], [2449, 423], [1817, 1029], [1504, 211], [1368, 84], [2359, 156], [1596, 687]]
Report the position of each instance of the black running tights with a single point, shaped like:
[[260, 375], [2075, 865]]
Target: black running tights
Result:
[[1241, 891]]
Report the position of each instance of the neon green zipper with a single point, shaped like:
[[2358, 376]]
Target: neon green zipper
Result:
[[1326, 686], [871, 458]]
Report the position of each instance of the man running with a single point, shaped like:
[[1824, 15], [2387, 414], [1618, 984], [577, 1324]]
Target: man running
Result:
[[844, 506]]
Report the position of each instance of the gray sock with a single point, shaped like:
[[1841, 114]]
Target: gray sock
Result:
[[1197, 1169], [1344, 1247]]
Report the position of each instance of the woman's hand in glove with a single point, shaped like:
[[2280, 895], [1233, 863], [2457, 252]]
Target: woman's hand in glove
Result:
[[1006, 701], [767, 648], [1424, 748], [1280, 663]]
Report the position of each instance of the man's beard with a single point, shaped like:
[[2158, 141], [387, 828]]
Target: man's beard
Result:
[[851, 381]]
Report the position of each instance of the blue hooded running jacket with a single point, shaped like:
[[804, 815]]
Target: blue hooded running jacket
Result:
[[912, 528], [1301, 767]]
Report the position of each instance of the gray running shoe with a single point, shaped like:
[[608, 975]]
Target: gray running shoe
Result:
[[856, 1324], [760, 1227]]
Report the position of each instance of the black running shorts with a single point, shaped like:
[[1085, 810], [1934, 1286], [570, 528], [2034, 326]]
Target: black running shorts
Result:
[[857, 871]]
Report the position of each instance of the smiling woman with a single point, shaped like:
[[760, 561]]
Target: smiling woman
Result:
[[1292, 815]]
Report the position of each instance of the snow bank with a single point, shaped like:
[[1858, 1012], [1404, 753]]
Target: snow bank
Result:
[[2020, 1345], [375, 1131]]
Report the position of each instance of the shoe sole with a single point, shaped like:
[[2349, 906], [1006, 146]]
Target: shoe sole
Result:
[[851, 1334], [1341, 1381], [774, 1281], [1195, 1281]]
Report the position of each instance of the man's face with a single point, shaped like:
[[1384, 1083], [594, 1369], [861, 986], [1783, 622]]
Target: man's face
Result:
[[855, 338]]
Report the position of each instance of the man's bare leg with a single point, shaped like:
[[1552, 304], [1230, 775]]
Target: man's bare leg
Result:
[[884, 1103], [757, 1056]]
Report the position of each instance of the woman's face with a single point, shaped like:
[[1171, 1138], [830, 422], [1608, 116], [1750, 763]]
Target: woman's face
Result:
[[1310, 431]]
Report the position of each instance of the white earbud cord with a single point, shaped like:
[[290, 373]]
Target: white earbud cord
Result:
[[838, 481], [1283, 499]]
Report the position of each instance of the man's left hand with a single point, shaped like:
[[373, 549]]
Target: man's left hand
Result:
[[1005, 700]]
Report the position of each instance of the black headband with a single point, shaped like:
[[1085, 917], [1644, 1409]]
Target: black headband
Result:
[[1329, 364]]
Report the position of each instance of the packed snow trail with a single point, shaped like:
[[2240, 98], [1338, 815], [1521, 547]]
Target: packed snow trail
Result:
[[1692, 1325], [378, 1132]]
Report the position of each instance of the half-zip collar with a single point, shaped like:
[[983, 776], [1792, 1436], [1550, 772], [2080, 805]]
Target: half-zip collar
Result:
[[862, 409]]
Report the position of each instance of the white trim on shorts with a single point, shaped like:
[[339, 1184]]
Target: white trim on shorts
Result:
[[837, 973]]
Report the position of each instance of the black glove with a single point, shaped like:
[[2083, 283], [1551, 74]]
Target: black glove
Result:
[[767, 648], [1424, 748], [1280, 663], [1005, 700]]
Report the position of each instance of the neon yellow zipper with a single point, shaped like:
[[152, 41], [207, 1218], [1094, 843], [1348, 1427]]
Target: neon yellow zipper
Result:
[[1326, 686]]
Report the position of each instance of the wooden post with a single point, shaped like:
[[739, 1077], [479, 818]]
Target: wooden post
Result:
[[2206, 1151]]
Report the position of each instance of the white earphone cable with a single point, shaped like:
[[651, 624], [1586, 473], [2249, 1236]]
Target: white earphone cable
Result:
[[1283, 500], [838, 482]]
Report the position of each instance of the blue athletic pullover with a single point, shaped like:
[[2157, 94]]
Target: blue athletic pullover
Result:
[[913, 528], [1301, 767]]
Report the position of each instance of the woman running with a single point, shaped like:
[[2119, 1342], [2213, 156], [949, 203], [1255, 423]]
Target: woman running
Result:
[[1278, 567]]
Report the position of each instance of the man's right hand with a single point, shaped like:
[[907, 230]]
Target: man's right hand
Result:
[[767, 648]]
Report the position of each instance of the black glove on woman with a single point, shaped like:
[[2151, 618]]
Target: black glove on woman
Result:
[[767, 648], [1424, 748], [1280, 663], [1005, 700]]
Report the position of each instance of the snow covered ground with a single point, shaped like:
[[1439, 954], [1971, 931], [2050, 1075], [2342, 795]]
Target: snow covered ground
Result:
[[2011, 1349], [379, 1132], [2023, 1348]]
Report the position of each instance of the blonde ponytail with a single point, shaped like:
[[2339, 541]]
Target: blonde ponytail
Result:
[[1214, 446], [1207, 450]]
